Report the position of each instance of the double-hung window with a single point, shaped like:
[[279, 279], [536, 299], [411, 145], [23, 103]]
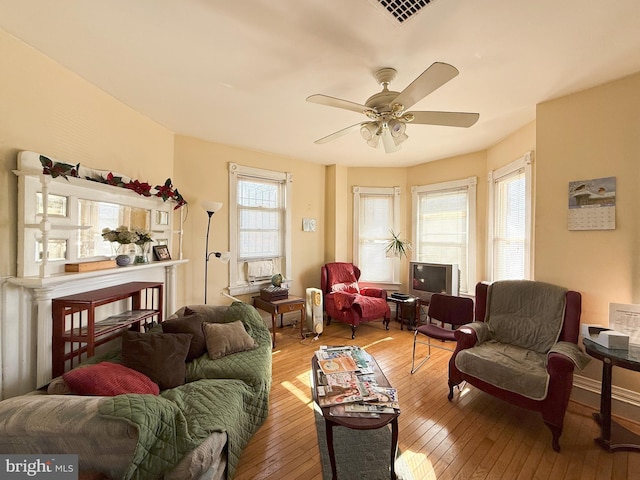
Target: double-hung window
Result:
[[510, 221], [444, 225], [376, 212], [260, 227]]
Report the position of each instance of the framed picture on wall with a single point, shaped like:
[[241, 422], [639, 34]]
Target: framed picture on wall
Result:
[[161, 252]]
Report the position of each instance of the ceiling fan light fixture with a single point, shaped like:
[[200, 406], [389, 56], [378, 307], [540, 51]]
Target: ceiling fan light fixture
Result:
[[369, 130], [397, 128], [374, 141], [398, 139], [408, 117]]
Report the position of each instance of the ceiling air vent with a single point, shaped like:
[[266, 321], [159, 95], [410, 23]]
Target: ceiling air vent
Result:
[[403, 10]]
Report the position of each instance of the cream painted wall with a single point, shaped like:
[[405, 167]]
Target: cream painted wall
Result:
[[202, 169], [336, 214], [591, 134], [47, 109]]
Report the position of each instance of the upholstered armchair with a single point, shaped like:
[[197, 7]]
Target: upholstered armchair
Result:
[[522, 348], [346, 301]]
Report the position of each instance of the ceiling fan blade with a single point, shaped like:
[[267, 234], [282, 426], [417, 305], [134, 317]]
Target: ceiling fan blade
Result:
[[388, 143], [339, 133], [448, 119], [431, 79], [336, 102]]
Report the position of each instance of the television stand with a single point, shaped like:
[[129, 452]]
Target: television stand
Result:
[[407, 309]]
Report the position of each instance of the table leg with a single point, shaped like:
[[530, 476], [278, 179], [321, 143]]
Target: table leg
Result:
[[605, 400], [302, 319], [328, 426], [273, 328], [394, 446]]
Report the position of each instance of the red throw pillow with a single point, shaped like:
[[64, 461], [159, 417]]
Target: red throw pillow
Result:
[[108, 379]]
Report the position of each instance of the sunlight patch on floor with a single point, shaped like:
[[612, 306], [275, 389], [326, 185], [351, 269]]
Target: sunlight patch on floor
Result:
[[385, 339], [304, 398], [419, 464]]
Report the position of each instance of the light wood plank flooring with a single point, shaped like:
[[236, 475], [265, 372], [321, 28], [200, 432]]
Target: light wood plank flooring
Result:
[[475, 436]]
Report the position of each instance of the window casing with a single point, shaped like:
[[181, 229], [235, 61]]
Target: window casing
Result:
[[510, 221], [376, 211], [444, 226], [259, 227]]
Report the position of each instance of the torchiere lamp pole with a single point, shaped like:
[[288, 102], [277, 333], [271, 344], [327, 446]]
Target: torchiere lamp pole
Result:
[[211, 208]]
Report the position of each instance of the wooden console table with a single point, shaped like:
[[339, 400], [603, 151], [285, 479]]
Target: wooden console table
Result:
[[77, 331]]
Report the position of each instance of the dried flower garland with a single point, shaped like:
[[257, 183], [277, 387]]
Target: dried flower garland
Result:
[[65, 170]]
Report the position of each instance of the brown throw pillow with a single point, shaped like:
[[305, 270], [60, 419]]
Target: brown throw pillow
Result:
[[226, 338], [108, 379], [160, 356], [192, 324]]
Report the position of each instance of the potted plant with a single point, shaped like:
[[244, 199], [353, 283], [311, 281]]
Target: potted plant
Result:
[[397, 247]]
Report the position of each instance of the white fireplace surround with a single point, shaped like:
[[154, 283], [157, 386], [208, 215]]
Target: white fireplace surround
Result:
[[26, 324]]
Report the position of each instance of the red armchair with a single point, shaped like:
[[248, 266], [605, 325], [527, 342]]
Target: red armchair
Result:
[[345, 301], [522, 348]]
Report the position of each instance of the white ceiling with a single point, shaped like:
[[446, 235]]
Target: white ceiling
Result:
[[238, 72]]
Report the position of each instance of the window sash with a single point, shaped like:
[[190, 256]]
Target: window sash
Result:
[[510, 243], [442, 234], [376, 211]]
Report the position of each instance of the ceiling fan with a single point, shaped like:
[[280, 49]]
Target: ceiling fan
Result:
[[387, 110]]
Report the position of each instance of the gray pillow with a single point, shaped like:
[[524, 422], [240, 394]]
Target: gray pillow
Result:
[[226, 338]]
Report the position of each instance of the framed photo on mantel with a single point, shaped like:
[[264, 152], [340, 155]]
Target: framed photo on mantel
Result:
[[161, 252]]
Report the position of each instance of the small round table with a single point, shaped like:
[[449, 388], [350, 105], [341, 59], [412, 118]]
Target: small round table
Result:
[[614, 437], [410, 304]]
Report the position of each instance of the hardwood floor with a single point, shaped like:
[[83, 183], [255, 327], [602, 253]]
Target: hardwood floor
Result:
[[475, 436]]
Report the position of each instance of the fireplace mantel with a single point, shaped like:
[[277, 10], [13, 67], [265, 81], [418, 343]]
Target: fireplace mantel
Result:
[[29, 298]]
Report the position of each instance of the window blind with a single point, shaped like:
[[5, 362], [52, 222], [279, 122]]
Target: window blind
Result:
[[376, 223], [509, 226], [443, 229]]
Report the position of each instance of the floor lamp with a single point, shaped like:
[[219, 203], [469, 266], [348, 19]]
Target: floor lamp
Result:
[[211, 208]]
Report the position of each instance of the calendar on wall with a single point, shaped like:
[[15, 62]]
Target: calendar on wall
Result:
[[592, 204]]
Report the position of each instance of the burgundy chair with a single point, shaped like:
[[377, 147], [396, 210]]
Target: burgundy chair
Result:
[[445, 310], [346, 301], [522, 348]]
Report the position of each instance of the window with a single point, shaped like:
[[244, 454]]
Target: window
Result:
[[510, 205], [376, 211], [445, 224], [260, 227]]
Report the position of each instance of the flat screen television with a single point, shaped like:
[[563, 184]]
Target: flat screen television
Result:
[[429, 278]]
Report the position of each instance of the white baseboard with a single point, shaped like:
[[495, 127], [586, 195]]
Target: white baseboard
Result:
[[624, 403]]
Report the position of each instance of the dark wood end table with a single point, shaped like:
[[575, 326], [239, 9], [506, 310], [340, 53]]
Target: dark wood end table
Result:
[[614, 437], [355, 422], [412, 304], [280, 307]]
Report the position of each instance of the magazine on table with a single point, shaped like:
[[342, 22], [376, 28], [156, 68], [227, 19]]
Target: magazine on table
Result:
[[368, 407], [340, 388], [356, 359], [342, 411], [386, 396]]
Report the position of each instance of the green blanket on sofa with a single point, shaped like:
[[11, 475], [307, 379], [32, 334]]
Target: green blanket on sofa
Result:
[[229, 394]]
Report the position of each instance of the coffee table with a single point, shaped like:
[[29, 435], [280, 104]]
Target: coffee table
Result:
[[354, 422]]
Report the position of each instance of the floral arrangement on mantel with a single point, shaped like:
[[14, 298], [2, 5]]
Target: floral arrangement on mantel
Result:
[[65, 170], [124, 236]]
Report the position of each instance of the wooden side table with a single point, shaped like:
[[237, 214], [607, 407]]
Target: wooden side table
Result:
[[280, 307], [412, 306], [614, 437]]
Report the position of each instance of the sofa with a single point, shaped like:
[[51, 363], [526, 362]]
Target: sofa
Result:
[[195, 430]]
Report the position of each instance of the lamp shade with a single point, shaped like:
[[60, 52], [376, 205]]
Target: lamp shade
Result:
[[211, 207]]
